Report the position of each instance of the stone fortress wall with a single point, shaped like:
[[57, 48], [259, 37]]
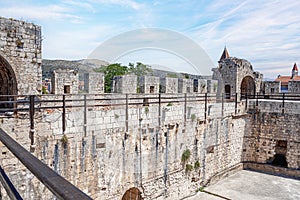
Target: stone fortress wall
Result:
[[138, 143], [107, 153], [105, 160]]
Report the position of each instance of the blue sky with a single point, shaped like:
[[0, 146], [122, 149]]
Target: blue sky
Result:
[[265, 32]]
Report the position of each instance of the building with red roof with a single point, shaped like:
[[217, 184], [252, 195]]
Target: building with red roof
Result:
[[284, 84]]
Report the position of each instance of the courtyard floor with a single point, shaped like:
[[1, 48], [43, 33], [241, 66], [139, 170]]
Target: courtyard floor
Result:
[[250, 185]]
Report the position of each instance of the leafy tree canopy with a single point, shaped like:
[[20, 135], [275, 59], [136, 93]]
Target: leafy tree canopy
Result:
[[110, 71], [116, 69], [139, 69]]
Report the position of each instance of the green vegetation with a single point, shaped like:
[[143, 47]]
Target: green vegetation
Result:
[[170, 104], [172, 75], [188, 168], [185, 155], [196, 165], [147, 110], [139, 69], [64, 139], [193, 117], [185, 75], [44, 90], [110, 71], [201, 189], [117, 69]]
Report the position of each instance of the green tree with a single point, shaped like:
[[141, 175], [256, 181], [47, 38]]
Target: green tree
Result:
[[172, 75], [139, 69], [110, 71]]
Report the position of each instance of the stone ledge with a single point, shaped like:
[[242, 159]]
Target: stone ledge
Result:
[[274, 170]]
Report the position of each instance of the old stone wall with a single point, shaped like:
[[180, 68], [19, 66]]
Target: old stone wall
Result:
[[125, 84], [104, 154], [294, 87], [168, 85], [105, 160], [64, 81], [238, 75], [185, 85], [149, 84], [272, 87], [212, 86], [200, 86], [20, 47], [273, 138], [94, 83]]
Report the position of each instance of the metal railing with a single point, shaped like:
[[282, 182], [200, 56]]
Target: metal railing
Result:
[[16, 103], [59, 186], [282, 99]]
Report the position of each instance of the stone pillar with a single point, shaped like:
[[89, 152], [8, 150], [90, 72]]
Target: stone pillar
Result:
[[94, 83]]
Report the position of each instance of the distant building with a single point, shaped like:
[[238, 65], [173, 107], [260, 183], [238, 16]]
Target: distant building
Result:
[[46, 83], [284, 84]]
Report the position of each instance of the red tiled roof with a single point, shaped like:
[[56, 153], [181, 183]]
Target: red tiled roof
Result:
[[286, 79]]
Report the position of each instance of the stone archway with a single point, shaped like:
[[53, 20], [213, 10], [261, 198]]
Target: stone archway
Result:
[[248, 86], [132, 194], [8, 83]]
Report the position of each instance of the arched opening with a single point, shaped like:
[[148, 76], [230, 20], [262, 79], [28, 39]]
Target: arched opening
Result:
[[227, 92], [8, 84], [247, 86], [132, 194]]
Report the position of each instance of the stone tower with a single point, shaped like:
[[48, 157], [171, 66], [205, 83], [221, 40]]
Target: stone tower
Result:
[[20, 58], [236, 75]]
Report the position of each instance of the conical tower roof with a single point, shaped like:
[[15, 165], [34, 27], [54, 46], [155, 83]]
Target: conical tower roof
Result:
[[225, 54], [295, 68]]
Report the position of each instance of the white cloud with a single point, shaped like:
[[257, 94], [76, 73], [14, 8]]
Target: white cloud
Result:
[[126, 3], [261, 33], [32, 12], [80, 4], [266, 32], [75, 44]]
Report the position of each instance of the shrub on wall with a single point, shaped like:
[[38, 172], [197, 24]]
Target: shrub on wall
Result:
[[185, 155]]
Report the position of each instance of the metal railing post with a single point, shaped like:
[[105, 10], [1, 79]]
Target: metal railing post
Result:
[[85, 117], [159, 109], [31, 114], [235, 103], [283, 99], [205, 107], [222, 104], [256, 99], [185, 106], [64, 115], [126, 113]]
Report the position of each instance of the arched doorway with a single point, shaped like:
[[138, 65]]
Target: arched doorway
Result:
[[247, 86], [8, 83], [132, 194], [227, 92]]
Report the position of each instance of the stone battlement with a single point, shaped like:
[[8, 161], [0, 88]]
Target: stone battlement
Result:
[[140, 143]]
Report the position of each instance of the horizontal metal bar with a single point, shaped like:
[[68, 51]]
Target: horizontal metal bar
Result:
[[58, 185]]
